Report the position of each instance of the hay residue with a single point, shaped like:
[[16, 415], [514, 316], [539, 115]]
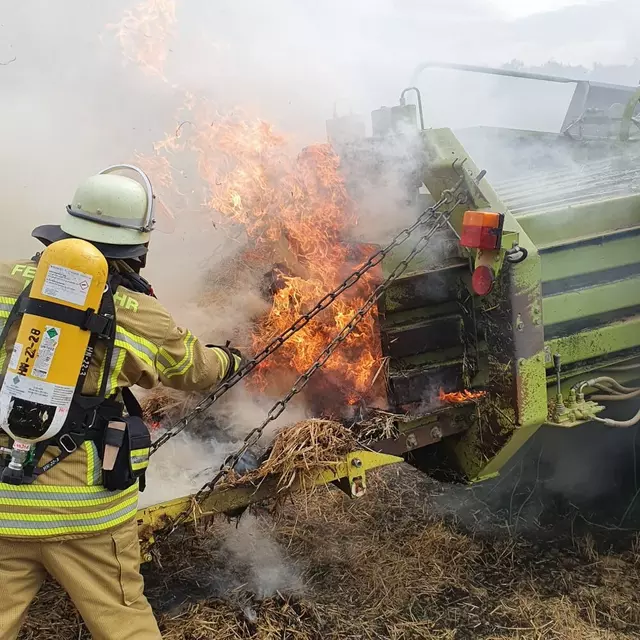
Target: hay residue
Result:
[[300, 452], [379, 425], [162, 405]]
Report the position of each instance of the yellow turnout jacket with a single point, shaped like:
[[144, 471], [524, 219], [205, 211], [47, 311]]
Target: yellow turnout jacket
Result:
[[69, 501]]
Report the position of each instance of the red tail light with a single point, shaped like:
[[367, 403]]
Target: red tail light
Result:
[[482, 230], [482, 280]]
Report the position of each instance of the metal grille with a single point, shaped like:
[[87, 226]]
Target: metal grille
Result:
[[572, 185]]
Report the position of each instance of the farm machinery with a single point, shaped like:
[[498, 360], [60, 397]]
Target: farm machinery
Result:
[[524, 311]]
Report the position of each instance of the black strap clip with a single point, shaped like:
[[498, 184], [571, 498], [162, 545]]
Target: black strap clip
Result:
[[102, 325]]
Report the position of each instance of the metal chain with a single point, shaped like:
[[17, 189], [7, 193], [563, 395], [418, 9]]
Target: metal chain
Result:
[[302, 321], [278, 408]]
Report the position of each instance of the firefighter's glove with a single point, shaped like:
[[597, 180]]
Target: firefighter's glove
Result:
[[233, 357]]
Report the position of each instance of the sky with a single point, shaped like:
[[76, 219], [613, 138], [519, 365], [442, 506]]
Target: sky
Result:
[[70, 105], [514, 9]]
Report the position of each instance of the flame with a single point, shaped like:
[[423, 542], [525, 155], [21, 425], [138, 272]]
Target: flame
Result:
[[296, 211], [294, 208], [142, 33], [457, 397]]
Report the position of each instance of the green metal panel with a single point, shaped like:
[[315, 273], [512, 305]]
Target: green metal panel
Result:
[[591, 302], [587, 345], [516, 341], [441, 357], [403, 318], [558, 226], [590, 259], [584, 252]]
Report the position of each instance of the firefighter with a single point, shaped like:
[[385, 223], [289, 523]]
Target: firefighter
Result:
[[68, 513]]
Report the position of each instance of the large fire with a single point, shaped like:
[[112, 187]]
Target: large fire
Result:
[[297, 215]]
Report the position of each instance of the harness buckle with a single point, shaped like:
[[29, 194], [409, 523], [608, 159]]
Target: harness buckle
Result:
[[63, 442], [101, 324]]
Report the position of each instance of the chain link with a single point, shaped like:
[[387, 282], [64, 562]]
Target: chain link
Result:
[[279, 407], [302, 321]]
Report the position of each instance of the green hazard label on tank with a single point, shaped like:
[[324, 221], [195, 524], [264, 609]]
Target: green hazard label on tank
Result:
[[46, 352]]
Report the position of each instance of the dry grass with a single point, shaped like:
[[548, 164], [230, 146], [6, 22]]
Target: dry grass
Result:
[[380, 425], [162, 404], [386, 566], [301, 451], [165, 405]]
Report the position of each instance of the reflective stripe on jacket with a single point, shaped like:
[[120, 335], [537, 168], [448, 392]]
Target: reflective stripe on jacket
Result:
[[68, 501]]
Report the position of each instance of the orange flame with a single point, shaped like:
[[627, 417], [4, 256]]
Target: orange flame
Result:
[[457, 397], [295, 209], [142, 34]]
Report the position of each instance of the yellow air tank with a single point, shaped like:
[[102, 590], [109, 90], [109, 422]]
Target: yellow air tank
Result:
[[49, 353]]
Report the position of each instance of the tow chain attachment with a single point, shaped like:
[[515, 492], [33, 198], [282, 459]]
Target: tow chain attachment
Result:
[[442, 218]]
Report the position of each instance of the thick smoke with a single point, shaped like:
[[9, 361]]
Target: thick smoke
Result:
[[185, 463]]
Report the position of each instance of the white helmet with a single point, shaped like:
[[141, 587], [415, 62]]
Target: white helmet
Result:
[[113, 212]]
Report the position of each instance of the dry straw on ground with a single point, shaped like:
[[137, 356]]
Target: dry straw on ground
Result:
[[301, 451], [386, 567]]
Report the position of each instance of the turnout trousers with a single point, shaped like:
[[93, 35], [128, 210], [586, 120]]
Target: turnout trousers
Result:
[[101, 574]]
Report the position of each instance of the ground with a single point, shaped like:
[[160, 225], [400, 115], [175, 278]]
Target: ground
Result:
[[399, 563]]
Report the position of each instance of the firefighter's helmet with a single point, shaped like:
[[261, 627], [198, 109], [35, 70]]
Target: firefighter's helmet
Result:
[[114, 212]]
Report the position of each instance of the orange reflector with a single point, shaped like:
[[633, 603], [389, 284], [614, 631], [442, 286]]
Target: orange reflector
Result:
[[482, 280], [481, 230]]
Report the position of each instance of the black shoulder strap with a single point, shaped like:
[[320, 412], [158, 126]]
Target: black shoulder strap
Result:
[[134, 282], [108, 312]]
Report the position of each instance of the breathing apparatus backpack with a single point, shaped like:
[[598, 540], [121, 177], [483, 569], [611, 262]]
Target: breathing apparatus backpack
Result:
[[63, 314]]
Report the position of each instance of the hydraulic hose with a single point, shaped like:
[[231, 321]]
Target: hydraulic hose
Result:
[[621, 396], [608, 390], [621, 425], [604, 380]]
